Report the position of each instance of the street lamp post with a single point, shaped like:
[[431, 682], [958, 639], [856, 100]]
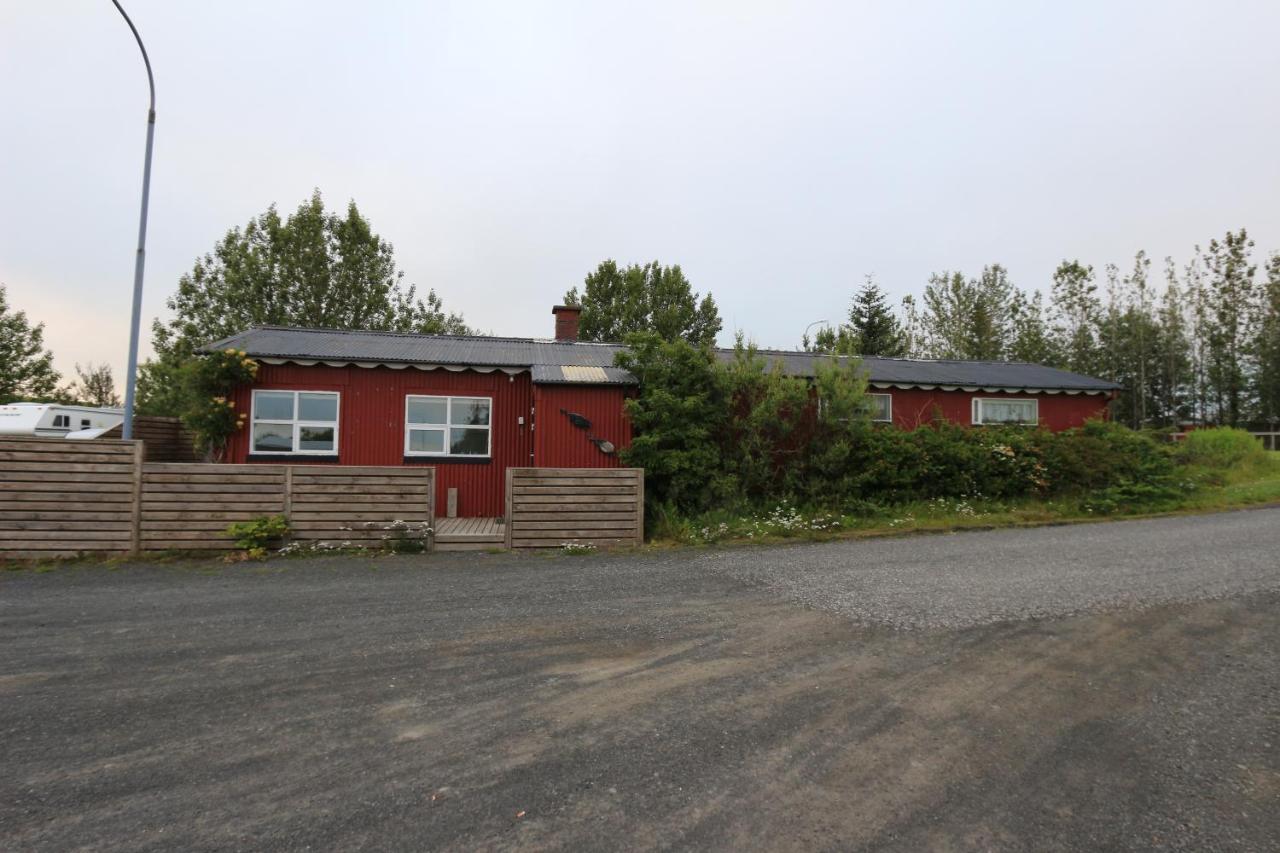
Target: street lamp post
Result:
[[805, 337], [131, 378]]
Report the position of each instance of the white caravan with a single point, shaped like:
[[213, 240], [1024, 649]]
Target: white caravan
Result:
[[49, 420]]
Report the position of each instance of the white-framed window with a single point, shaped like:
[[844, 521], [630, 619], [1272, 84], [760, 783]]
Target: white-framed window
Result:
[[881, 406], [62, 421], [447, 426], [298, 422], [1000, 410]]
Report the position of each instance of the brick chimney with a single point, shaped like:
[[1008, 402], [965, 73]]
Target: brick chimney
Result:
[[566, 322]]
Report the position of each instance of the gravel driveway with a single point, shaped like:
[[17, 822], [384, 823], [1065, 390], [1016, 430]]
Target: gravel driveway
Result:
[[950, 581], [687, 699]]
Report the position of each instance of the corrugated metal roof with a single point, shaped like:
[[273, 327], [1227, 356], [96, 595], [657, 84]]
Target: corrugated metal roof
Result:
[[407, 348], [559, 361], [560, 374], [946, 373]]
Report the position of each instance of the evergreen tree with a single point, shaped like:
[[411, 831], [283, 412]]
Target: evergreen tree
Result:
[[872, 323], [871, 328]]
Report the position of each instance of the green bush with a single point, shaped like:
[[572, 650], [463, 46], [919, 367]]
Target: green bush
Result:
[[739, 436], [257, 535], [1221, 448]]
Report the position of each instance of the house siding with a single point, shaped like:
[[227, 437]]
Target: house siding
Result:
[[372, 409], [915, 407], [371, 423], [559, 444]]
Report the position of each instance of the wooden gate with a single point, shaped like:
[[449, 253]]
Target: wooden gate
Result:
[[553, 507]]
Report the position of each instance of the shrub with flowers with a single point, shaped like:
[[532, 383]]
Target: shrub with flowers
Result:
[[213, 417]]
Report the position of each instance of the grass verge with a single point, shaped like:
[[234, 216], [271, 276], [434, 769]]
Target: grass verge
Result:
[[1207, 488]]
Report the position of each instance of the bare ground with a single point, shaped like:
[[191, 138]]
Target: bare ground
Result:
[[491, 702]]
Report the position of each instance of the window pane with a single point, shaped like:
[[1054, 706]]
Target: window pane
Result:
[[469, 442], [881, 406], [426, 440], [273, 438], [1008, 411], [470, 411], [273, 405], [315, 438], [318, 407], [428, 410]]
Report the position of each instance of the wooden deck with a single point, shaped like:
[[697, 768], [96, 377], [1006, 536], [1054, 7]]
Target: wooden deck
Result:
[[469, 534]]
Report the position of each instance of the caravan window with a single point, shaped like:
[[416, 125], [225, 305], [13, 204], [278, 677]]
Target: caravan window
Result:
[[62, 421]]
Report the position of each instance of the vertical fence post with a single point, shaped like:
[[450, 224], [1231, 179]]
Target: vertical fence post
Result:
[[135, 527], [640, 506], [506, 511], [287, 504], [431, 505]]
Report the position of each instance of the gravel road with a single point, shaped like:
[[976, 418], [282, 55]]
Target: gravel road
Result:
[[850, 696], [950, 581]]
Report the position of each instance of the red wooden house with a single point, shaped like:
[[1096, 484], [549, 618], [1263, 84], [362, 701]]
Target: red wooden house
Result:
[[475, 406]]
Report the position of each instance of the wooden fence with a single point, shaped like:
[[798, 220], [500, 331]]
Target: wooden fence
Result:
[[164, 439], [59, 498], [551, 507], [62, 498]]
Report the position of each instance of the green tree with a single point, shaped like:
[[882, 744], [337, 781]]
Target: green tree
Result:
[[678, 417], [95, 386], [1173, 381], [314, 269], [1075, 307], [968, 318], [1230, 277], [26, 367], [1267, 346], [872, 328], [1200, 323], [617, 302], [1030, 336]]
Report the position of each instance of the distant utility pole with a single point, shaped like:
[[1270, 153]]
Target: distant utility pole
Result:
[[131, 378]]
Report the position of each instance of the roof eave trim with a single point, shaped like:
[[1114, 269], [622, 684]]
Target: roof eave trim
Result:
[[510, 370], [987, 389]]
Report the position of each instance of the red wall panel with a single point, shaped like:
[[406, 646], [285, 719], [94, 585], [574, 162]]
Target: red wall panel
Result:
[[913, 407], [371, 423], [559, 444]]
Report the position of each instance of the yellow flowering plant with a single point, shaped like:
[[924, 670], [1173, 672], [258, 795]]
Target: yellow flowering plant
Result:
[[212, 416]]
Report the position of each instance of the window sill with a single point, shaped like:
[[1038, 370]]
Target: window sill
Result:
[[447, 460], [293, 457]]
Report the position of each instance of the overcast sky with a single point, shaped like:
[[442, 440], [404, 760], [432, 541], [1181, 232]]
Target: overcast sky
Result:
[[777, 151]]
